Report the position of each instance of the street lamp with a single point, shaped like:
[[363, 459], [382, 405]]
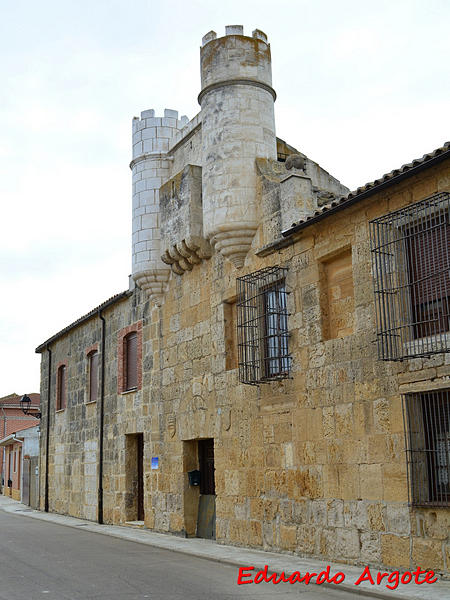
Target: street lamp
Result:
[[25, 404]]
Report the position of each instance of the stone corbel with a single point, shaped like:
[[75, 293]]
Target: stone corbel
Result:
[[185, 254], [154, 282]]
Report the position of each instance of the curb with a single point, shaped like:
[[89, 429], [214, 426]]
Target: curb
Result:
[[257, 558]]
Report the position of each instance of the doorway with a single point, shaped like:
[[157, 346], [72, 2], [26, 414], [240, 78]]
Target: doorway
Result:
[[134, 469], [206, 522]]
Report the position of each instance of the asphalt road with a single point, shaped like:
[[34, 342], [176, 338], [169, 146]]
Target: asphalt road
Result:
[[48, 561]]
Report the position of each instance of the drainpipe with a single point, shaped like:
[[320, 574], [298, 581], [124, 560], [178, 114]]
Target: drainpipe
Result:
[[47, 439], [3, 450], [102, 417]]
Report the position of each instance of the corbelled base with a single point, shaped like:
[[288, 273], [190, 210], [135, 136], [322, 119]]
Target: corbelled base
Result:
[[234, 244], [154, 282], [189, 252]]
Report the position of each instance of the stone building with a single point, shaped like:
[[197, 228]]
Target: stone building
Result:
[[249, 385]]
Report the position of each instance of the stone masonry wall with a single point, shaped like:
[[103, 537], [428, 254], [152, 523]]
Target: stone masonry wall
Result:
[[313, 465]]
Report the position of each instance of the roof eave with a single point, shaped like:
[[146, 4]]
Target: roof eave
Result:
[[366, 193], [83, 319], [10, 439]]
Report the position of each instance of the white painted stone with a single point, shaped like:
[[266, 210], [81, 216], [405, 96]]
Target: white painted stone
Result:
[[148, 132], [153, 122], [148, 146], [164, 132], [141, 185], [161, 145], [171, 113], [149, 272], [169, 122], [149, 220]]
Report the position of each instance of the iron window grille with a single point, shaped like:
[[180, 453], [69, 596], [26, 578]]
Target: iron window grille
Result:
[[410, 258], [427, 439], [262, 326]]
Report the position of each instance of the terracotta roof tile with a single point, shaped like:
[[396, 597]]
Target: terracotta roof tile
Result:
[[84, 318], [15, 399], [371, 187]]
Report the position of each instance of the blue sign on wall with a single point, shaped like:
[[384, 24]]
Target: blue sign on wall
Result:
[[155, 462]]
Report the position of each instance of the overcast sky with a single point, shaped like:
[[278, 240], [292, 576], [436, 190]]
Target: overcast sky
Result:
[[363, 87]]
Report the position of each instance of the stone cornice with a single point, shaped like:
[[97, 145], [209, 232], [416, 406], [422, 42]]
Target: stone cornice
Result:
[[148, 155], [240, 81]]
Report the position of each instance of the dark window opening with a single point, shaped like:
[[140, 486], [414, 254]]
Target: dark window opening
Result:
[[275, 356], [428, 273], [411, 265], [427, 433], [262, 326], [206, 464]]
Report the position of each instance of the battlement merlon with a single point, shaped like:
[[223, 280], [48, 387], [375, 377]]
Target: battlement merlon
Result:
[[154, 134], [235, 57], [234, 30]]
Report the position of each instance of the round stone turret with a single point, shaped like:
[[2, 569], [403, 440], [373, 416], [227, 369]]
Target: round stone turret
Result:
[[150, 167], [238, 125]]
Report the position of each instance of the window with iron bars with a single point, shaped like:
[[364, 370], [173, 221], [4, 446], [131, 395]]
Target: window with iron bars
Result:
[[427, 436], [262, 327], [411, 262]]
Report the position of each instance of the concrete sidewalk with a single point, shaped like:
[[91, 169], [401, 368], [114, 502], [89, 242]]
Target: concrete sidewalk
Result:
[[241, 557]]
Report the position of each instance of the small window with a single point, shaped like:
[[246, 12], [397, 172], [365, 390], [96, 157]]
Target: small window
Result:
[[130, 360], [93, 376], [428, 447], [262, 326], [61, 388]]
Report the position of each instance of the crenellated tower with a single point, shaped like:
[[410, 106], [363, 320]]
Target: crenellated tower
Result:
[[238, 125], [150, 168]]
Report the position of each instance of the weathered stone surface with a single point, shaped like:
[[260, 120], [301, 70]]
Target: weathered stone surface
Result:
[[428, 553], [182, 240], [314, 464]]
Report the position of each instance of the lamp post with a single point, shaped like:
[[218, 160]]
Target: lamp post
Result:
[[25, 405]]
